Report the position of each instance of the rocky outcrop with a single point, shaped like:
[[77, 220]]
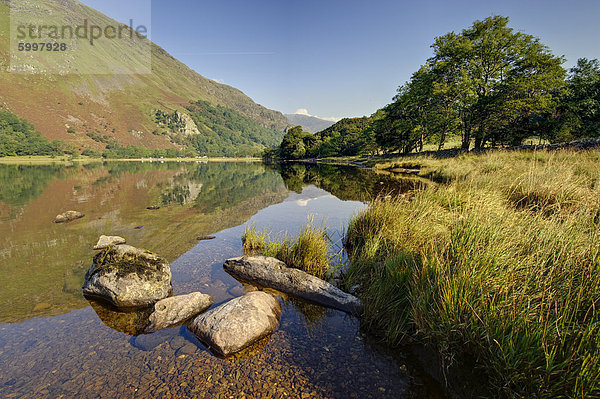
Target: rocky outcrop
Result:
[[68, 216], [236, 324], [108, 241], [171, 311], [270, 272], [128, 277]]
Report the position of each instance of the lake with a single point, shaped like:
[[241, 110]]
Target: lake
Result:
[[55, 343]]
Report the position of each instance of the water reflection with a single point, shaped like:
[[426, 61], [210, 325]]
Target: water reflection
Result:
[[45, 263], [347, 183], [315, 352], [131, 322]]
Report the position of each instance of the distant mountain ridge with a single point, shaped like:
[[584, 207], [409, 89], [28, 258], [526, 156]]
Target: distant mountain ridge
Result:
[[88, 110], [311, 124]]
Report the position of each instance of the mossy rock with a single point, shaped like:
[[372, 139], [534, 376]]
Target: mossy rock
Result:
[[128, 277]]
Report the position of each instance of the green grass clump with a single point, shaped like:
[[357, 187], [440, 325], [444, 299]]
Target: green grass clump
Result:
[[309, 251], [500, 264]]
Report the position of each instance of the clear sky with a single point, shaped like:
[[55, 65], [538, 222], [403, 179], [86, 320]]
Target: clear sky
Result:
[[339, 58]]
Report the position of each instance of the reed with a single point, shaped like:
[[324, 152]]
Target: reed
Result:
[[309, 251]]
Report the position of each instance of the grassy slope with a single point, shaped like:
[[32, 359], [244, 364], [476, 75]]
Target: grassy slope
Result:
[[500, 262], [120, 102]]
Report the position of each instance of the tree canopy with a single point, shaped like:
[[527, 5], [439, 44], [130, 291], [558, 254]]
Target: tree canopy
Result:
[[487, 83]]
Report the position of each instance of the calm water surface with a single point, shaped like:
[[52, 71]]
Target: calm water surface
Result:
[[55, 343]]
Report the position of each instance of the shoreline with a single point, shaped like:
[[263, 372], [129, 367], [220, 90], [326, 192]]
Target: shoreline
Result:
[[47, 160]]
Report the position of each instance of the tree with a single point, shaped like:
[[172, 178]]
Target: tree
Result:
[[579, 114], [292, 146], [487, 83]]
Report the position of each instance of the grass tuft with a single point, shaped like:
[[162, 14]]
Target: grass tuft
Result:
[[308, 252]]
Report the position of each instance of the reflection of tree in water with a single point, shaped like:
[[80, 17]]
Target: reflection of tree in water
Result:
[[20, 184], [345, 182], [119, 168], [179, 194], [220, 185], [229, 184]]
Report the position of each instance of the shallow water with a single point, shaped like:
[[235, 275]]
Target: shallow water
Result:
[[54, 343]]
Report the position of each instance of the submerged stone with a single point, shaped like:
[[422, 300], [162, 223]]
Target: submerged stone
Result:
[[238, 323], [271, 272], [107, 241], [128, 277], [177, 309], [68, 216]]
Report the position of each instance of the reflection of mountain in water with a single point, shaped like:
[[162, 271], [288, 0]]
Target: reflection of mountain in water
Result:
[[20, 184], [45, 262]]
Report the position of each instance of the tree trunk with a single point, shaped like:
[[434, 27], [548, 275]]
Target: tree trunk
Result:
[[442, 140], [466, 142]]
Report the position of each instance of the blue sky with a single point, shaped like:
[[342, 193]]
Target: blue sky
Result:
[[338, 58]]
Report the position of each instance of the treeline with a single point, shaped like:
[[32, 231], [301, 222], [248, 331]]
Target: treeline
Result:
[[114, 150], [350, 136], [485, 86], [19, 138]]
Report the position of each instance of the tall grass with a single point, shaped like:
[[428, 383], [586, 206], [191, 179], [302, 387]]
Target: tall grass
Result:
[[309, 251], [502, 264]]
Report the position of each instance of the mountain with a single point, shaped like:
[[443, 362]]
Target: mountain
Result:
[[91, 95], [310, 124]]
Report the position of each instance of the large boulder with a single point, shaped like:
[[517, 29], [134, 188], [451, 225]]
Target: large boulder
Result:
[[273, 273], [68, 216], [108, 241], [177, 309], [236, 324], [128, 277]]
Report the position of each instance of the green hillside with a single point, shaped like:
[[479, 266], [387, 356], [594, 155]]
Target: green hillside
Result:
[[75, 105]]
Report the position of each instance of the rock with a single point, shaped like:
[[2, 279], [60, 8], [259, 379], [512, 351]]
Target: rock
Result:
[[270, 272], [177, 309], [187, 349], [204, 238], [153, 208], [107, 241], [236, 324], [148, 342], [68, 216], [128, 277]]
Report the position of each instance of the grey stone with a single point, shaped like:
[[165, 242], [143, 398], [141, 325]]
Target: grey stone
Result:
[[148, 342], [271, 272], [177, 309], [68, 216], [187, 349], [107, 241], [236, 324], [128, 277]]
